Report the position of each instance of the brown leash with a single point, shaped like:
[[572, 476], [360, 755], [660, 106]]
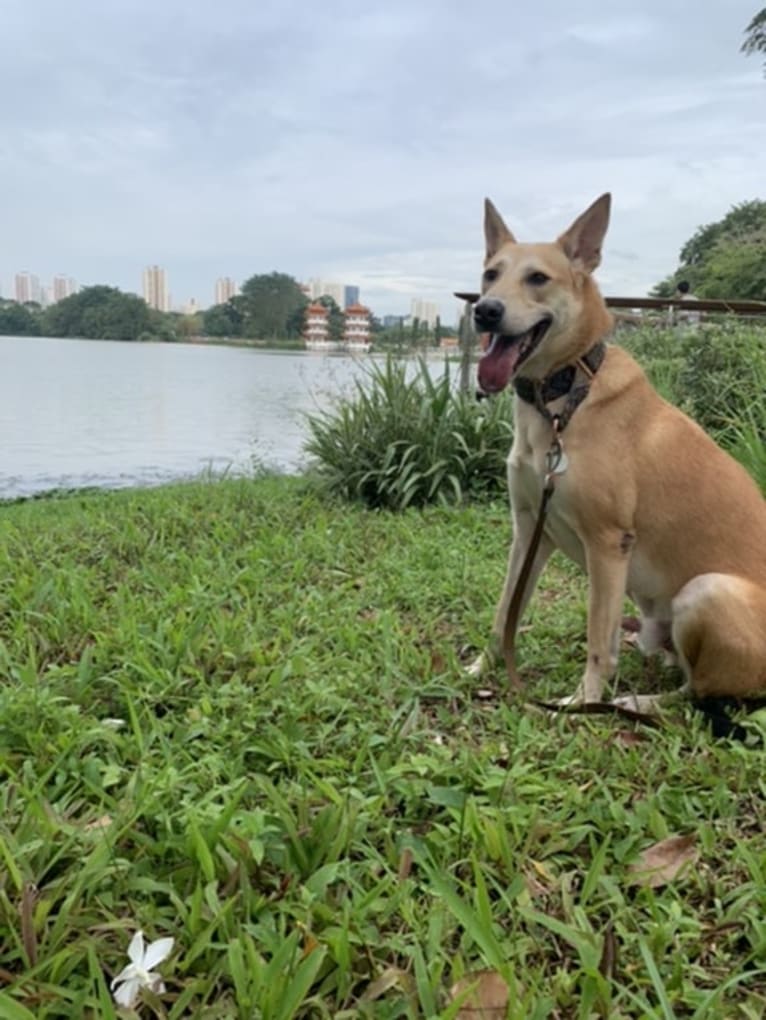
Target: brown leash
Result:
[[537, 392], [556, 464], [554, 458]]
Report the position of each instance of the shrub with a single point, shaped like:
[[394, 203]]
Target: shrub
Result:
[[723, 374], [657, 350], [715, 372], [399, 441]]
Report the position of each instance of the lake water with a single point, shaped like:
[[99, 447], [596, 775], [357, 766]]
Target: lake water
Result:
[[102, 413]]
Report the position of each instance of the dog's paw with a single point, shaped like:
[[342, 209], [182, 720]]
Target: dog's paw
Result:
[[646, 704], [480, 666]]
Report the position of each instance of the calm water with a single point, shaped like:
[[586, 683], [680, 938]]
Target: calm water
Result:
[[91, 412]]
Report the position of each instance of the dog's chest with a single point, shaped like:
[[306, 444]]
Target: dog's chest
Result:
[[527, 467]]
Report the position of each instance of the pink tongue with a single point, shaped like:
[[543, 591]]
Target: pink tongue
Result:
[[498, 364]]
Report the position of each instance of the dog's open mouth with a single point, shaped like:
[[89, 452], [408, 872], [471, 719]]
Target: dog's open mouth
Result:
[[506, 355]]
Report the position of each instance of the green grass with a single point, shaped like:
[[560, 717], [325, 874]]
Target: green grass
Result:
[[309, 795]]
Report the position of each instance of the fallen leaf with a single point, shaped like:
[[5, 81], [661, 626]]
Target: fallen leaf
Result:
[[542, 871], [438, 662], [534, 887], [487, 999], [27, 911], [392, 977], [608, 961], [99, 823], [662, 862], [484, 693], [405, 864], [627, 738]]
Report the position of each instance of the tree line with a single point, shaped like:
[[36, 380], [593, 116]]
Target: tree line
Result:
[[98, 313]]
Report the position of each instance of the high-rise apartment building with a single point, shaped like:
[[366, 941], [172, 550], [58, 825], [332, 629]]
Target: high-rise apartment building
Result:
[[324, 288], [63, 287], [350, 296], [425, 311], [225, 289], [27, 288], [156, 292]]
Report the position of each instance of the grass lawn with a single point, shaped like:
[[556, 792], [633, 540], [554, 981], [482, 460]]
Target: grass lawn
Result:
[[234, 714]]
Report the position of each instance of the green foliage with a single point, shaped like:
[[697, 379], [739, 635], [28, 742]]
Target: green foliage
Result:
[[723, 374], [755, 41], [272, 306], [19, 320], [400, 441], [225, 319], [234, 714], [716, 373], [335, 320], [726, 259], [104, 313], [736, 269]]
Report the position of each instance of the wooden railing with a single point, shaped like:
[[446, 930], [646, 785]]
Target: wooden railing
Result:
[[690, 305]]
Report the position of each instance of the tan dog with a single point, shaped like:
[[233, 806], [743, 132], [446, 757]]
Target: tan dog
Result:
[[647, 504]]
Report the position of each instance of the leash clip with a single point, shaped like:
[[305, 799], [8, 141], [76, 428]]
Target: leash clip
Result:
[[556, 460]]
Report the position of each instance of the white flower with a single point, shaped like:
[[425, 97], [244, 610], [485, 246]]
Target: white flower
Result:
[[139, 974]]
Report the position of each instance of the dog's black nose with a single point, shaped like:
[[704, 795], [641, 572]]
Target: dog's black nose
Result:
[[488, 314]]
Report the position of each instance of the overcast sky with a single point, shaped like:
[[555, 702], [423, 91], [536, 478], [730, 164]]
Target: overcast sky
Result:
[[355, 141]]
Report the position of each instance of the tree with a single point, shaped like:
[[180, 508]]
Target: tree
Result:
[[438, 331], [726, 259], [18, 320], [415, 334], [273, 306], [223, 320], [736, 270], [755, 41], [103, 313], [335, 321]]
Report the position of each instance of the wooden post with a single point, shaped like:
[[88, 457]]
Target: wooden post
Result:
[[467, 340]]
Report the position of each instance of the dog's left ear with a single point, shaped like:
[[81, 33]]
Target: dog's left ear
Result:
[[582, 242]]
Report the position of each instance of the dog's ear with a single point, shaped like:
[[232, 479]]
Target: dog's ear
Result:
[[582, 242], [496, 233]]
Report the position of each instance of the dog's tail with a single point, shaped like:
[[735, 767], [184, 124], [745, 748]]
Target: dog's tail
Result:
[[718, 714]]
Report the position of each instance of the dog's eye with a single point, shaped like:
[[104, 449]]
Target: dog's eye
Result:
[[490, 275], [537, 279]]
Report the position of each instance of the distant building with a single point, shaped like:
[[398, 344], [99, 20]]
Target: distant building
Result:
[[27, 288], [225, 289], [356, 328], [155, 288], [316, 329], [191, 307], [425, 311], [63, 287], [324, 288], [449, 343], [389, 321], [350, 296]]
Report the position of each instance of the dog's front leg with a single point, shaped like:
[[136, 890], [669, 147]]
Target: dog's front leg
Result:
[[523, 527], [607, 579]]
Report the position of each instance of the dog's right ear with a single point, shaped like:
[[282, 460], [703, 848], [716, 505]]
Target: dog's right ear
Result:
[[582, 242], [496, 233]]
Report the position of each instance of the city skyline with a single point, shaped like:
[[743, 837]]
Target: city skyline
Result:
[[28, 288], [155, 290]]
